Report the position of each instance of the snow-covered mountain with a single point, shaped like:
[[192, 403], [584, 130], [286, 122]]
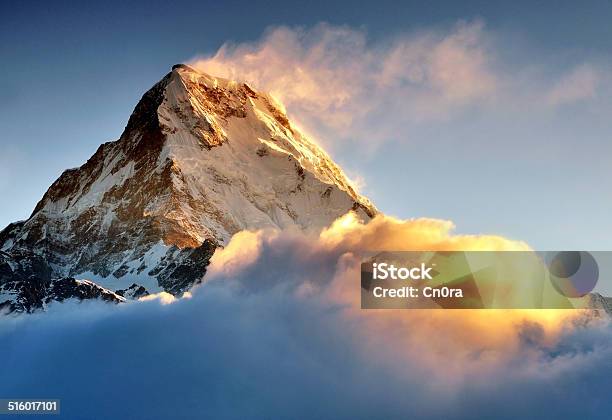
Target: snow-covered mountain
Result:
[[201, 158]]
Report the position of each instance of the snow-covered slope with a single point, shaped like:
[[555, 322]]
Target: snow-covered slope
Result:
[[200, 159]]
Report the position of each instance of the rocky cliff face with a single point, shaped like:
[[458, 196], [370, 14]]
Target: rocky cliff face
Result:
[[26, 284], [201, 158]]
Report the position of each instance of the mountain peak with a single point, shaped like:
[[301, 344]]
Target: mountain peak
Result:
[[182, 66], [200, 159]]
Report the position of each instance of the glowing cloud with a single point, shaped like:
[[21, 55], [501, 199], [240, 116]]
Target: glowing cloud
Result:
[[330, 77], [338, 85], [449, 345]]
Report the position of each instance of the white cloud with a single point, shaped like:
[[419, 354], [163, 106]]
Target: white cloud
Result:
[[163, 297], [579, 84]]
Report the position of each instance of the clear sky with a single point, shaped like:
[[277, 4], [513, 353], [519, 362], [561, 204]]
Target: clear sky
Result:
[[517, 144]]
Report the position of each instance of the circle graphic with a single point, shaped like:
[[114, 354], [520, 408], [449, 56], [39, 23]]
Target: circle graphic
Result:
[[573, 273]]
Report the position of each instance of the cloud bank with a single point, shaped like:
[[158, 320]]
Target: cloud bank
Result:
[[276, 331]]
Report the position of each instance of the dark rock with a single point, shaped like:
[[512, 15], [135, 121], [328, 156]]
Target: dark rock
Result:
[[69, 288], [135, 291]]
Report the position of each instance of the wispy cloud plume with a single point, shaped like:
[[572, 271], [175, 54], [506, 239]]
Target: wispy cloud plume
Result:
[[340, 85], [332, 77]]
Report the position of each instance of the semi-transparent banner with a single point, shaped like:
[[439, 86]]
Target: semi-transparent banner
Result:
[[485, 280]]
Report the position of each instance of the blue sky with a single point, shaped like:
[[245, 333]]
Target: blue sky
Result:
[[494, 164]]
